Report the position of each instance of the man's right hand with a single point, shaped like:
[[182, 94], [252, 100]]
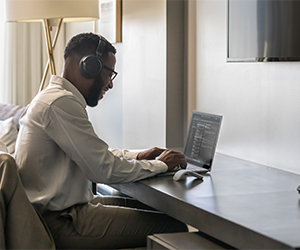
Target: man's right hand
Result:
[[172, 159]]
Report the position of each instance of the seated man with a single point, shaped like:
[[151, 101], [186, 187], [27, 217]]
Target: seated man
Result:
[[58, 153]]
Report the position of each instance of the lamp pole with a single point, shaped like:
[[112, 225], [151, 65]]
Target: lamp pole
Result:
[[50, 48]]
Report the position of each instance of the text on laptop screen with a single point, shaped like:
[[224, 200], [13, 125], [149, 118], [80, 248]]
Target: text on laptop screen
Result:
[[202, 138]]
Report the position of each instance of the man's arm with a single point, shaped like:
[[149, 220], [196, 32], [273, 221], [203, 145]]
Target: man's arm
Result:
[[170, 158], [71, 130]]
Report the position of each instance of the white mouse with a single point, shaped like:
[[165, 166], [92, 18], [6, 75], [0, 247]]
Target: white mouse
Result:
[[181, 174]]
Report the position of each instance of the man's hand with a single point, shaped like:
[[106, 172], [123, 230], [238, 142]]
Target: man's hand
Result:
[[173, 159], [150, 154]]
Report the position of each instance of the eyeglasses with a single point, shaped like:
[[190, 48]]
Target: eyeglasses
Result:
[[114, 73]]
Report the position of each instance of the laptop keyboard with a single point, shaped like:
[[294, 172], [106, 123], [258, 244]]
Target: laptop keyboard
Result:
[[196, 168]]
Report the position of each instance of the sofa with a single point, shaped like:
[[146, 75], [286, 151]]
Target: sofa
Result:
[[21, 226], [9, 125]]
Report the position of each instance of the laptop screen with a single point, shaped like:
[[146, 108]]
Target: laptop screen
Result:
[[202, 139]]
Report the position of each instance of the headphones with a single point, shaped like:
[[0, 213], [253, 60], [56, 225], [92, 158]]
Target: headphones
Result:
[[91, 65]]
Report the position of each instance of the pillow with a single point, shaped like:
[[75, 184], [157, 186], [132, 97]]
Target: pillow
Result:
[[3, 147], [9, 110], [8, 134]]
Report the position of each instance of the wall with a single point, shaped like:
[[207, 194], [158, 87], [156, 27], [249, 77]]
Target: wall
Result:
[[144, 73], [153, 73], [259, 101]]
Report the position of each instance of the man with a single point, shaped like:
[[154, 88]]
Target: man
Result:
[[58, 154]]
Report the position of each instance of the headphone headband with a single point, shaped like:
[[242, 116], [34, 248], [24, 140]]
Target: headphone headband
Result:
[[100, 47]]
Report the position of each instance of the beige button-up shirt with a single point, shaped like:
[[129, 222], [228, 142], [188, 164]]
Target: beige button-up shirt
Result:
[[58, 152]]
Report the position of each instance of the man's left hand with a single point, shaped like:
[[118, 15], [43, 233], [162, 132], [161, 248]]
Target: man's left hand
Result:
[[150, 154]]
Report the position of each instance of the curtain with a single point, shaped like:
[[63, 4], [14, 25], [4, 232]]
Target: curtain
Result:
[[2, 49], [24, 60]]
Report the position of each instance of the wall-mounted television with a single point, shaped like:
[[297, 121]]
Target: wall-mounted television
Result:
[[263, 30]]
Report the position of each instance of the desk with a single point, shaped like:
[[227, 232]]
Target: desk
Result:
[[243, 204]]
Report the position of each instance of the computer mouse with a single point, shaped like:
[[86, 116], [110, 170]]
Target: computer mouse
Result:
[[181, 174]]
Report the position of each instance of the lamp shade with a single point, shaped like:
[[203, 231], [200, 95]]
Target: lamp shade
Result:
[[37, 10]]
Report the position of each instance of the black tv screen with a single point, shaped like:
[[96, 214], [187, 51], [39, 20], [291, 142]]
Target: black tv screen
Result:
[[263, 30]]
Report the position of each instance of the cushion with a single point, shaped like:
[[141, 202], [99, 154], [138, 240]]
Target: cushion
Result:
[[3, 147], [8, 134], [9, 110]]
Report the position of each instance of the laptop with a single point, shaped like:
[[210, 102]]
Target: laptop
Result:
[[201, 142]]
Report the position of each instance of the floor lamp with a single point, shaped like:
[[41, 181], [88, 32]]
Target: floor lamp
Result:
[[51, 13]]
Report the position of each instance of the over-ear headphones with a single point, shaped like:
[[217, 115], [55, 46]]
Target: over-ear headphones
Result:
[[91, 65]]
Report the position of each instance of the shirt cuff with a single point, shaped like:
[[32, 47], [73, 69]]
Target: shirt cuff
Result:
[[130, 155], [157, 166], [123, 153]]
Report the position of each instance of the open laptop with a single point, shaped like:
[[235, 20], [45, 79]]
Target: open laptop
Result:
[[201, 142]]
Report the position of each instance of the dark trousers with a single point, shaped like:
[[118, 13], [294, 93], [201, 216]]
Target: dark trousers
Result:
[[108, 223]]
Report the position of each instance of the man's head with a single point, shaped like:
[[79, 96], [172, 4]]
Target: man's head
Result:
[[81, 66]]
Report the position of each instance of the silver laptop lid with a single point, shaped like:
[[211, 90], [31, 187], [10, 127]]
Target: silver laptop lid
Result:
[[202, 139]]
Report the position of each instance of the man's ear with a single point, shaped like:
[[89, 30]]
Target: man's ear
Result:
[[72, 73]]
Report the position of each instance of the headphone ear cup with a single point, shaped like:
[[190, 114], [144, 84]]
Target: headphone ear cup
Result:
[[90, 66]]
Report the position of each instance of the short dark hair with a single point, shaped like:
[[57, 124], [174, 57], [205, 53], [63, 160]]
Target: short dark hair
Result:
[[86, 44]]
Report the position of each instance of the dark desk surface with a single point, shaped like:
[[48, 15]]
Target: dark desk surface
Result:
[[243, 204]]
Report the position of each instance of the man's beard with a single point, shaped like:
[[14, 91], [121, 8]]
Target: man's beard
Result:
[[94, 92]]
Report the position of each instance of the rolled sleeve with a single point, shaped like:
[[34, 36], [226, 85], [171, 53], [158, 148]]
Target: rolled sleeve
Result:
[[157, 166], [126, 154]]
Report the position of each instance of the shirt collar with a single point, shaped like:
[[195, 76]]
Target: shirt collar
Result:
[[64, 83]]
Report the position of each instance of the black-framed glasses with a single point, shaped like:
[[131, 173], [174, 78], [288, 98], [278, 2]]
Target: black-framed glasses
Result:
[[114, 73]]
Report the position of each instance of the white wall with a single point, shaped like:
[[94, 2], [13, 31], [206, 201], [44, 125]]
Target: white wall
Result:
[[144, 73], [260, 101]]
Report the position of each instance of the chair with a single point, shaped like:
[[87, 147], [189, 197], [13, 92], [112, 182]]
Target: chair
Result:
[[21, 226]]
